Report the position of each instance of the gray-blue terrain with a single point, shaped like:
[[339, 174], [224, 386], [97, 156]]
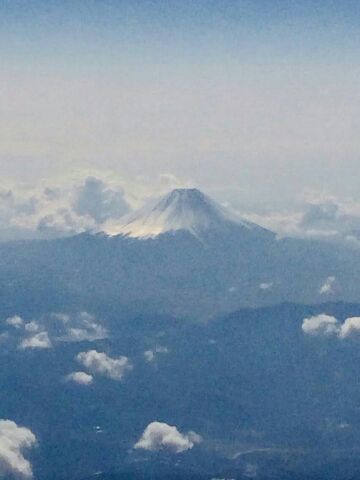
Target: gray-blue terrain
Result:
[[221, 309]]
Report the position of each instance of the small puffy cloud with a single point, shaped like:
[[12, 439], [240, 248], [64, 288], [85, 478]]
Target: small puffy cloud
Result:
[[4, 336], [350, 327], [14, 440], [265, 285], [327, 325], [161, 436], [32, 326], [39, 340], [57, 327], [151, 355], [100, 363], [15, 321], [320, 325], [328, 286], [81, 327], [161, 349], [82, 378]]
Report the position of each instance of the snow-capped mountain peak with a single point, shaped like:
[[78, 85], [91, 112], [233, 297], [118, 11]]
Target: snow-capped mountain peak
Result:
[[181, 209]]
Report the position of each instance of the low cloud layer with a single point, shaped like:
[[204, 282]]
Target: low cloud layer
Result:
[[319, 216], [101, 364], [73, 204], [14, 442], [55, 210], [96, 202], [326, 325], [161, 436]]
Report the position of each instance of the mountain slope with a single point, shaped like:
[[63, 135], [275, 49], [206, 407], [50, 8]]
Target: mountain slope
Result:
[[182, 209], [200, 263]]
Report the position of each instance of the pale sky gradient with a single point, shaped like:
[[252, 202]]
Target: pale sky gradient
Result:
[[253, 101]]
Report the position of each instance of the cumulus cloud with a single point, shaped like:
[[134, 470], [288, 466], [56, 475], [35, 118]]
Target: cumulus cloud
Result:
[[161, 436], [14, 321], [82, 378], [80, 327], [329, 286], [350, 327], [327, 325], [14, 441], [99, 201], [39, 340], [100, 363], [32, 326], [265, 285], [320, 325], [319, 216], [151, 355], [58, 327], [66, 207]]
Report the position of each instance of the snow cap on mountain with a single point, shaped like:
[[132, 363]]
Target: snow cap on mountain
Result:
[[182, 209]]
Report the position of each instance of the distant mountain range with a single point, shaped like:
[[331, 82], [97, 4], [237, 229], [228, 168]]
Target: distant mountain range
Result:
[[269, 401], [95, 347], [185, 256]]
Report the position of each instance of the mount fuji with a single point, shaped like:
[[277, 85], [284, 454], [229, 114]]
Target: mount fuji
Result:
[[181, 209], [185, 256]]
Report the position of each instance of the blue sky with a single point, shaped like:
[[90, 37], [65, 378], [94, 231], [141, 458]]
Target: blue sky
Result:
[[257, 98]]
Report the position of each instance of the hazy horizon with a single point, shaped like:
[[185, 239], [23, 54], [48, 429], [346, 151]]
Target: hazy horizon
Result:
[[256, 102]]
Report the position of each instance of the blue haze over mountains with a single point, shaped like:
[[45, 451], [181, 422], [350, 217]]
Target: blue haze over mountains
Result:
[[218, 268], [227, 299]]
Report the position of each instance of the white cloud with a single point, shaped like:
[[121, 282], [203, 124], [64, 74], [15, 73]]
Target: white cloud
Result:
[[328, 287], [265, 285], [161, 436], [69, 206], [320, 325], [58, 327], [150, 355], [81, 378], [39, 340], [102, 364], [4, 336], [81, 327], [350, 327], [327, 325], [161, 349], [14, 321], [96, 199], [13, 441], [319, 216], [32, 326]]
